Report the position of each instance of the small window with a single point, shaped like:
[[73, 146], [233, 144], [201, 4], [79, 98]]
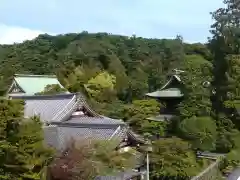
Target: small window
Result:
[[78, 113]]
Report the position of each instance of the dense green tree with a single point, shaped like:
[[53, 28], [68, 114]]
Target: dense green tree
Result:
[[197, 71], [173, 158], [225, 47], [22, 152], [114, 109], [136, 115], [102, 87], [201, 131]]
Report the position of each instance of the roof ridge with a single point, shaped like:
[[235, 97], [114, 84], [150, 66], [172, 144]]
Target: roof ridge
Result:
[[36, 75], [65, 108], [115, 132], [82, 98], [39, 96]]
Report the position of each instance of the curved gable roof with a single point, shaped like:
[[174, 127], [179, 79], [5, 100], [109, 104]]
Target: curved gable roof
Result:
[[32, 84]]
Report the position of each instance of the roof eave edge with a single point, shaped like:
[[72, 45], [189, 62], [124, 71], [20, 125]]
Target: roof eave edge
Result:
[[35, 75], [12, 85]]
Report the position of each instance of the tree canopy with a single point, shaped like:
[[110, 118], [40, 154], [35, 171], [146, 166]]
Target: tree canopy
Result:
[[22, 151]]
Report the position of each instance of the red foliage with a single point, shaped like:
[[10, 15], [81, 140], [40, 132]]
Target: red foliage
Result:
[[72, 164]]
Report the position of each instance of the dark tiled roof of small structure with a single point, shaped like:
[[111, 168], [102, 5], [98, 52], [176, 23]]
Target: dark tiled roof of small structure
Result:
[[135, 136], [127, 175], [161, 117], [234, 175], [173, 77], [167, 91], [59, 136]]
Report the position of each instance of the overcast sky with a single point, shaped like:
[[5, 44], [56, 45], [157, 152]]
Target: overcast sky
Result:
[[25, 19]]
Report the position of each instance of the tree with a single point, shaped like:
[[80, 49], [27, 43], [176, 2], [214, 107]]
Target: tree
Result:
[[32, 156], [52, 89], [136, 115], [196, 101], [74, 77], [173, 158], [87, 159], [114, 110], [201, 131], [224, 45], [102, 87], [22, 152]]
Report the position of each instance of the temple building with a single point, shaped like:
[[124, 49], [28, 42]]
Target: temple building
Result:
[[31, 84], [67, 116], [169, 95]]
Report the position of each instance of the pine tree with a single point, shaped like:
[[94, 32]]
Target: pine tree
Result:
[[22, 152], [225, 45]]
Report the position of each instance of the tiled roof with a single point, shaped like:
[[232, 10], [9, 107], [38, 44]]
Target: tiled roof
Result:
[[57, 111], [127, 175], [59, 136], [32, 84], [234, 175], [173, 78], [93, 133], [46, 106], [171, 92], [59, 108], [169, 89], [51, 137], [135, 136], [81, 120], [161, 117]]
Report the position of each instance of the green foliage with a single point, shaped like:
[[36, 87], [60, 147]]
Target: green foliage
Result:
[[201, 131], [22, 153], [139, 64], [224, 45], [101, 87], [52, 89], [197, 97], [114, 109], [173, 158], [111, 159], [32, 155], [137, 112]]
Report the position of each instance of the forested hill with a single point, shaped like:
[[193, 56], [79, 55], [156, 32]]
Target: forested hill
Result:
[[138, 63]]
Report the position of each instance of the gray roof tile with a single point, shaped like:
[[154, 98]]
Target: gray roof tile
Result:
[[127, 175], [46, 107], [59, 108], [51, 136], [65, 134], [93, 120], [234, 175]]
